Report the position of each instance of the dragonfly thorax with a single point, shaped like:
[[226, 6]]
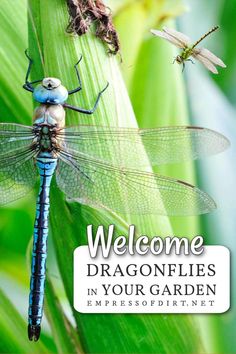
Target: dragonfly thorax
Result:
[[49, 120], [45, 140], [49, 115], [50, 91]]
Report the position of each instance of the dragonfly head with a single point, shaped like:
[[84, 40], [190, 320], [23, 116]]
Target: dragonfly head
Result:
[[50, 91], [179, 59]]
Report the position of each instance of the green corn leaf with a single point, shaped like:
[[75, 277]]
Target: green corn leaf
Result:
[[12, 46], [64, 334]]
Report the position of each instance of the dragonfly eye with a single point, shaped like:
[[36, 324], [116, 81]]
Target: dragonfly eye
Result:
[[51, 83]]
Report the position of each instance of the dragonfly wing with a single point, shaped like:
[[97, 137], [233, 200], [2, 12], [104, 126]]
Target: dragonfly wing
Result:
[[133, 148], [14, 136], [94, 183], [17, 176], [184, 40], [205, 53], [168, 37], [17, 170], [206, 62]]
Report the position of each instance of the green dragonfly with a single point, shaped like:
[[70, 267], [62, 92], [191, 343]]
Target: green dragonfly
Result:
[[180, 40]]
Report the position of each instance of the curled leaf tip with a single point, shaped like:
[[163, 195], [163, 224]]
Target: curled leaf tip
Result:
[[84, 13]]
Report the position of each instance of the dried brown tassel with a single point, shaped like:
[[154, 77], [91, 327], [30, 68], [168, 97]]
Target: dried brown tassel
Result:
[[85, 12]]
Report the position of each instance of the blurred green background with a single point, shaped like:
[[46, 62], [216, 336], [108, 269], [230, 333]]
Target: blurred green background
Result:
[[160, 95]]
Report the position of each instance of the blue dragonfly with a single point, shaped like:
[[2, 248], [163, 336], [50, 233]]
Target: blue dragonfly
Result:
[[82, 159]]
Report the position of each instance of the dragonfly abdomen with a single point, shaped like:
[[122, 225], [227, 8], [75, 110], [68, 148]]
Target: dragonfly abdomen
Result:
[[46, 165], [205, 35]]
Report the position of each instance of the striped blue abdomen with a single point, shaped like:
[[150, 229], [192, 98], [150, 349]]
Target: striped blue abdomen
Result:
[[46, 165]]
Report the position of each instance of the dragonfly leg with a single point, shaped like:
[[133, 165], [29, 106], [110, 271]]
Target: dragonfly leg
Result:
[[174, 60], [183, 67], [77, 89], [87, 111], [28, 85], [190, 61]]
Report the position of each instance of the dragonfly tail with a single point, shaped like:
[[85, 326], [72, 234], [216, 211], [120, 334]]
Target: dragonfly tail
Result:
[[46, 165], [205, 35], [34, 332]]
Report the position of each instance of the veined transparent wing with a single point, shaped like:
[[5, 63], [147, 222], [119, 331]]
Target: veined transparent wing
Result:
[[208, 59], [14, 136], [179, 39], [97, 184], [205, 53], [17, 171], [125, 146], [206, 62]]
